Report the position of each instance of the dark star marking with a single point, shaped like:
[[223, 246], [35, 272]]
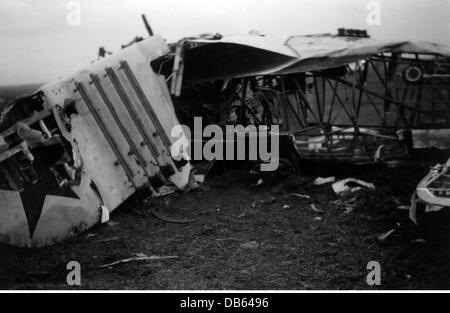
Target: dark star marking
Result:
[[33, 197]]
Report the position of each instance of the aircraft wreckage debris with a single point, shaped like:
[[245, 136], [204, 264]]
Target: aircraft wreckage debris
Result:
[[139, 257]]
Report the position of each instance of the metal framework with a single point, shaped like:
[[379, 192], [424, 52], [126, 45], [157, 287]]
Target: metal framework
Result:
[[352, 113]]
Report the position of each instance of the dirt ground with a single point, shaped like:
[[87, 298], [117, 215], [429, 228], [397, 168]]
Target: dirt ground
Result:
[[292, 246]]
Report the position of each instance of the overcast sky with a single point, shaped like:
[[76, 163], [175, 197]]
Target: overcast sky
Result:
[[38, 45]]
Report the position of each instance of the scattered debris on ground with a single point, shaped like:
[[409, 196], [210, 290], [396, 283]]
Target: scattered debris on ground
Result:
[[296, 248]]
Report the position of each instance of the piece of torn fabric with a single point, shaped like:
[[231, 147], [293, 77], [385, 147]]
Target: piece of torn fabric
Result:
[[351, 185]]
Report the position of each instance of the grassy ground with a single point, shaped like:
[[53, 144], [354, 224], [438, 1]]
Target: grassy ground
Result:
[[295, 249]]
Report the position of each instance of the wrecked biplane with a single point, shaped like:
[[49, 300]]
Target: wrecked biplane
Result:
[[79, 147], [344, 97]]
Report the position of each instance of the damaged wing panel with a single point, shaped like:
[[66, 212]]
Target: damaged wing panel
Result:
[[97, 138], [230, 57], [319, 52]]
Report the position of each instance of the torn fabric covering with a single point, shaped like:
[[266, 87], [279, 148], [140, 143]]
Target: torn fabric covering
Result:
[[245, 56], [334, 47], [326, 51]]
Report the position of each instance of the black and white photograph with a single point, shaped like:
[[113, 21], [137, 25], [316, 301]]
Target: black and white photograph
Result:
[[255, 147]]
